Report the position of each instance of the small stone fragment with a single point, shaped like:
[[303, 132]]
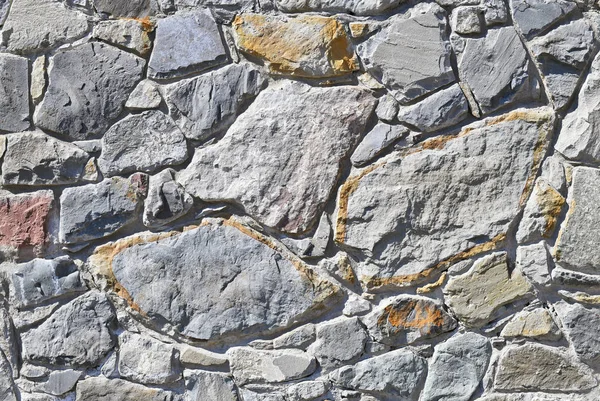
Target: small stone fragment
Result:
[[466, 20], [34, 158], [572, 278], [130, 8], [553, 171], [132, 34], [306, 391], [364, 7], [14, 93], [96, 210], [84, 341], [440, 110], [457, 367], [38, 79], [4, 7], [186, 43], [376, 142], [148, 361], [533, 260], [200, 357], [205, 386], [356, 305], [300, 338], [256, 366], [61, 381], [536, 367], [38, 25], [533, 17], [391, 55], [101, 389], [89, 85], [397, 373], [142, 142], [476, 295], [360, 29], [207, 105], [541, 213], [145, 96], [305, 46], [166, 201], [387, 108], [537, 323], [579, 325], [339, 342], [408, 318], [495, 12], [8, 390], [43, 279]]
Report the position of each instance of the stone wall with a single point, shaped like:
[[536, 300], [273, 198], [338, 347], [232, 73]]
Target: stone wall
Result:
[[295, 200]]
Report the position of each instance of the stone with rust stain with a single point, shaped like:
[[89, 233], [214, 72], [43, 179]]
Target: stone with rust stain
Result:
[[305, 46], [132, 34], [195, 281], [436, 190], [477, 295], [408, 318]]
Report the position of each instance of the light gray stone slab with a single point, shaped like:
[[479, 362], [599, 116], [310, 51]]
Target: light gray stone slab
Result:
[[536, 323], [339, 342], [533, 260], [166, 201], [533, 17], [132, 34], [579, 325], [145, 360], [542, 211], [368, 7], [130, 8], [376, 142], [101, 389], [145, 96], [467, 20], [202, 385]]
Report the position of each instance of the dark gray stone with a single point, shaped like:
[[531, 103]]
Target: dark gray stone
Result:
[[167, 200], [533, 17], [14, 93], [119, 8]]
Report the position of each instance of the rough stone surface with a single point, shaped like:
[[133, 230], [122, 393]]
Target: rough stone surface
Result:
[[353, 7], [376, 142], [166, 201], [533, 17], [533, 261], [466, 20], [14, 99], [148, 361], [89, 85], [101, 389], [133, 8], [203, 385], [339, 342], [537, 323], [128, 33], [541, 213], [578, 324], [145, 96]]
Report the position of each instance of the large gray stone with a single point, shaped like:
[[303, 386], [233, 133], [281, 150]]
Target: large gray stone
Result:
[[209, 104], [536, 367], [101, 389], [186, 43], [368, 7], [43, 279], [202, 385], [34, 158], [280, 160], [533, 17], [146, 360], [37, 25], [397, 373], [142, 142], [195, 281], [89, 85], [339, 342], [577, 244], [129, 8], [436, 190], [167, 200], [14, 93], [457, 367], [416, 39], [77, 334], [495, 68], [579, 324], [96, 210]]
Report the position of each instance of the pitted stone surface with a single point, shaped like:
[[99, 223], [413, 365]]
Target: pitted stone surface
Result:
[[14, 99], [354, 7]]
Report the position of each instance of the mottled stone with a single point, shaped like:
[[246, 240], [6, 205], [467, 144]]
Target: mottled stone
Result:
[[387, 108], [256, 366], [376, 142], [288, 145], [35, 25], [8, 391], [300, 338], [209, 104], [88, 87], [495, 12], [142, 142], [533, 260], [536, 323], [305, 46], [408, 318], [200, 357], [368, 7], [34, 158], [195, 281], [573, 278], [579, 324], [129, 8], [96, 210], [166, 201], [542, 210], [14, 93], [577, 244], [391, 55], [440, 110], [466, 20], [339, 342], [397, 373], [186, 43], [38, 79], [43, 279], [146, 360], [476, 296], [533, 17], [77, 334], [436, 191], [101, 389], [201, 386], [132, 34], [306, 391], [495, 69], [536, 367], [457, 367], [145, 96]]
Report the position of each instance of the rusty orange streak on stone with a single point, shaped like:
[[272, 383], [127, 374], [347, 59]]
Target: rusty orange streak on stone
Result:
[[411, 315]]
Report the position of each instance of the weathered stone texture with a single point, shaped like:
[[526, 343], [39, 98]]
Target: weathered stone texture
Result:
[[14, 98]]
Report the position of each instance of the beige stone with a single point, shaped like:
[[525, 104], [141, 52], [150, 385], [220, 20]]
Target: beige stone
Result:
[[537, 323]]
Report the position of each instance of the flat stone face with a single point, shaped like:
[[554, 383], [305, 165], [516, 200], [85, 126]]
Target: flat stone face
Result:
[[145, 360], [131, 8], [145, 96], [142, 142], [77, 334], [436, 192], [576, 247], [407, 319], [542, 210], [281, 158], [339, 342], [14, 90], [457, 367], [495, 68], [476, 295], [209, 104], [34, 25], [391, 55], [376, 141], [305, 46], [129, 33], [367, 7], [195, 281], [579, 325], [536, 367], [397, 373], [89, 85], [535, 16], [34, 158], [537, 323], [101, 389], [203, 385], [186, 43]]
